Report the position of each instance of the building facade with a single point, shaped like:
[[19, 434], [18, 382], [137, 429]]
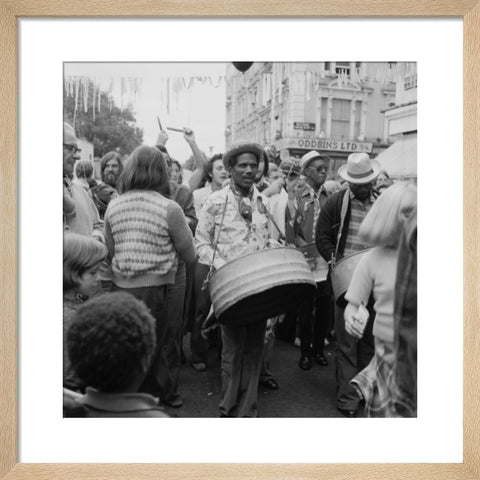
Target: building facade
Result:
[[333, 107], [400, 160]]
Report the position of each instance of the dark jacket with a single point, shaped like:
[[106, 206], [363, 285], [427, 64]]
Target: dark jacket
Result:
[[328, 225], [300, 229], [183, 196]]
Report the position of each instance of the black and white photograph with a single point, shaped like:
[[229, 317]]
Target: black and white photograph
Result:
[[240, 239]]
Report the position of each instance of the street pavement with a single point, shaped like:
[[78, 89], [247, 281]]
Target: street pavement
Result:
[[302, 393]]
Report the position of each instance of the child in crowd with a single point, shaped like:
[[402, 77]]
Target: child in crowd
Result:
[[82, 257], [376, 272], [110, 342]]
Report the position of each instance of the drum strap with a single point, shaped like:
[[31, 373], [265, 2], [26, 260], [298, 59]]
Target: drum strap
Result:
[[343, 214], [215, 246], [281, 236]]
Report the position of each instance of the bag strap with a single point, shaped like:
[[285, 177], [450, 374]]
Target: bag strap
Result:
[[343, 214]]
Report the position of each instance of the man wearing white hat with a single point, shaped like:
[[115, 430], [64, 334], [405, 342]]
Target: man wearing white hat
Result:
[[80, 215], [336, 237], [301, 217]]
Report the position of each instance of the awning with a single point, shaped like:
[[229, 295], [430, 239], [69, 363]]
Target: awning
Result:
[[400, 159]]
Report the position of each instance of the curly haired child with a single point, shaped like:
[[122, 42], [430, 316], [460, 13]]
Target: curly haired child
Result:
[[111, 342]]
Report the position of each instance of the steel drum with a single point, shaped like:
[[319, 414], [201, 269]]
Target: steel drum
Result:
[[342, 272], [319, 269], [260, 285]]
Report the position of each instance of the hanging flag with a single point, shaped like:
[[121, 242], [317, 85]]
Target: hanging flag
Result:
[[177, 87], [188, 84], [218, 82], [168, 96], [162, 94], [93, 99], [85, 94], [77, 88], [308, 80], [122, 90]]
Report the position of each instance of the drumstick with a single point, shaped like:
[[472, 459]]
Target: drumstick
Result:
[[175, 129], [159, 123]]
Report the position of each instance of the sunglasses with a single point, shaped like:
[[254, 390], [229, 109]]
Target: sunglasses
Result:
[[319, 169], [72, 148]]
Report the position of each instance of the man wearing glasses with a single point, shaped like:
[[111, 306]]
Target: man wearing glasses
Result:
[[79, 212], [304, 206]]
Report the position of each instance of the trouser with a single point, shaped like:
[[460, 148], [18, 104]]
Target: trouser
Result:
[[269, 342], [285, 330], [314, 320], [189, 304], [351, 356], [175, 305], [241, 362], [158, 379], [202, 300]]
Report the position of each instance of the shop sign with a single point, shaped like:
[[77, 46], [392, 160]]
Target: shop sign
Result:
[[324, 144], [304, 126]]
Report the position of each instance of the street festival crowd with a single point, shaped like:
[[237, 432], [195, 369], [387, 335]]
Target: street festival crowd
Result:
[[143, 244]]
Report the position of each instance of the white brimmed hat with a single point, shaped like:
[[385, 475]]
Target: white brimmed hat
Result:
[[308, 158], [359, 169]]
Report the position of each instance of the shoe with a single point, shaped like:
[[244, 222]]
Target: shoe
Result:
[[271, 384], [175, 401], [348, 413], [305, 362], [199, 366], [320, 359]]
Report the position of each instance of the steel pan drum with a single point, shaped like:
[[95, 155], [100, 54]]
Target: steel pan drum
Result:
[[342, 272], [260, 285]]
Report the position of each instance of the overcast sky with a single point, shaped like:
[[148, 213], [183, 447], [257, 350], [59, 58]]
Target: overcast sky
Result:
[[202, 107]]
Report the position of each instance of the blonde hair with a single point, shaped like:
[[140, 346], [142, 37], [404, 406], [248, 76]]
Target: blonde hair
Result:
[[80, 253], [383, 224]]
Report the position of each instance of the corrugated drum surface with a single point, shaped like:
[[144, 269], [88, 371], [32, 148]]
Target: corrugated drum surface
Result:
[[343, 270], [260, 285]]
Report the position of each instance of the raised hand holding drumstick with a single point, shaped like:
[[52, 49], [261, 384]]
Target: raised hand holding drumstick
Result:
[[200, 160]]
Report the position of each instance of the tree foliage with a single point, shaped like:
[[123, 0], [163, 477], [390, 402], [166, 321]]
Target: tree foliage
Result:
[[112, 128]]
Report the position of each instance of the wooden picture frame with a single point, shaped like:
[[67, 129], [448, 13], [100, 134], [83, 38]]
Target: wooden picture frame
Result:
[[11, 10]]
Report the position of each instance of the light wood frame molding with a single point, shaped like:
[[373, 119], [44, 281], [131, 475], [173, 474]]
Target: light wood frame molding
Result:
[[12, 10]]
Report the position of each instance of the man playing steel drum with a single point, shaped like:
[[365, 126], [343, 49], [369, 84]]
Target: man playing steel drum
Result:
[[336, 237], [233, 222]]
